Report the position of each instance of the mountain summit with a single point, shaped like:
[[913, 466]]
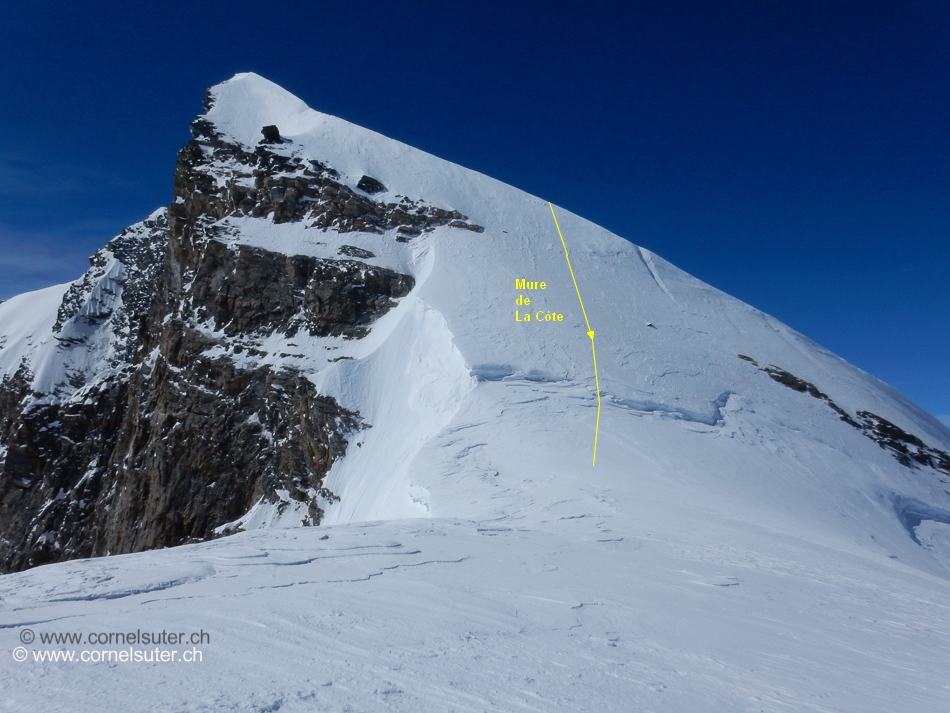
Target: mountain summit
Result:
[[326, 325], [329, 328]]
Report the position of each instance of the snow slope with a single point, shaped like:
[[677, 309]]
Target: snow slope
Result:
[[738, 546]]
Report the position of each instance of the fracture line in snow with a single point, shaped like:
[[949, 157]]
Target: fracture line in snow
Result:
[[590, 332]]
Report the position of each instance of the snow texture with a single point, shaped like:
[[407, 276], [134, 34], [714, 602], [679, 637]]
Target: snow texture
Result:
[[737, 547]]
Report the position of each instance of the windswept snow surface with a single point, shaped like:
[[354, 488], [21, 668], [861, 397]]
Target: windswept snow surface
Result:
[[588, 614], [737, 547]]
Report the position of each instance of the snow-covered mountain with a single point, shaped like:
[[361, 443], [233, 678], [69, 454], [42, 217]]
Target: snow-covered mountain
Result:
[[327, 327]]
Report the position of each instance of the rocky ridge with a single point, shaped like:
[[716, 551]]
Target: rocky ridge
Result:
[[216, 178], [908, 449], [165, 418]]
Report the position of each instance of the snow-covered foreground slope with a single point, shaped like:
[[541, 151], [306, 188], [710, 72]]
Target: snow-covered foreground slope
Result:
[[765, 528], [665, 613]]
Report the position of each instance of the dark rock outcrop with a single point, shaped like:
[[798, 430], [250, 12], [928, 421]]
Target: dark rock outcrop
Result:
[[168, 423], [908, 449], [162, 458], [271, 135], [353, 251], [276, 183], [250, 290], [368, 184]]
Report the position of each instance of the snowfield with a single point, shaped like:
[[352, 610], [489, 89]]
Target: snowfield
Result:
[[737, 547], [589, 613]]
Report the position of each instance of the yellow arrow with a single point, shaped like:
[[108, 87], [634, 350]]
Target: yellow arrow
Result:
[[590, 332]]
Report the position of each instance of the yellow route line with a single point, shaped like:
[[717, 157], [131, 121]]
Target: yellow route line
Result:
[[590, 332]]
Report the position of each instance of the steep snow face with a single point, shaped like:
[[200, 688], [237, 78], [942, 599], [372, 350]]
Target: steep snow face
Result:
[[409, 390], [469, 403], [765, 526], [679, 403], [243, 105], [27, 321]]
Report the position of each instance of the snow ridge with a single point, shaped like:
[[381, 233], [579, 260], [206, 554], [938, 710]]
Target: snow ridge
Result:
[[763, 537]]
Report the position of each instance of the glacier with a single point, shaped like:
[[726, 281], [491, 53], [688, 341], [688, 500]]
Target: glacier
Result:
[[765, 528]]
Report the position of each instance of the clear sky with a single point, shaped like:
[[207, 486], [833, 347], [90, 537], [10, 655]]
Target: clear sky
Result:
[[794, 154]]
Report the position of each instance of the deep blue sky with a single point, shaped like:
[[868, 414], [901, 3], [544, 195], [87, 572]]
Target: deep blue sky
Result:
[[793, 154]]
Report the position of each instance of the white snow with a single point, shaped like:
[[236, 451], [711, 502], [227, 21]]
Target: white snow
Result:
[[447, 615], [27, 322], [737, 547]]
